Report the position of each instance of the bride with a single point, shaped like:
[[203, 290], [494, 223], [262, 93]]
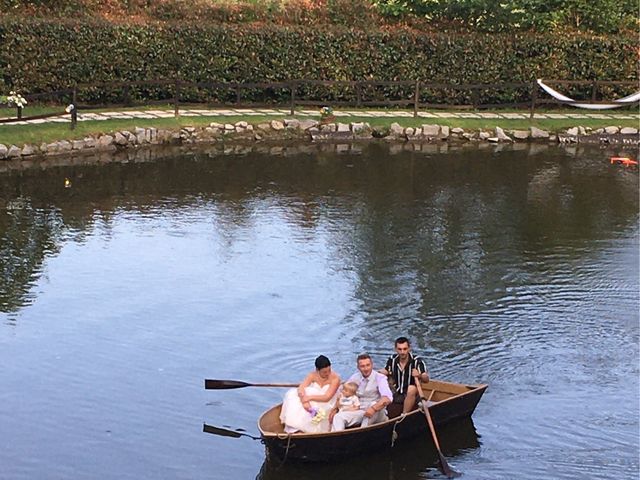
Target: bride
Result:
[[306, 408]]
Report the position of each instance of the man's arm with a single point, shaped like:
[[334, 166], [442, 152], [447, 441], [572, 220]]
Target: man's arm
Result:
[[387, 368], [386, 396], [420, 370]]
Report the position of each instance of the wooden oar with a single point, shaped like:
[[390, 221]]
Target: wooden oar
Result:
[[211, 384], [224, 432], [445, 468]]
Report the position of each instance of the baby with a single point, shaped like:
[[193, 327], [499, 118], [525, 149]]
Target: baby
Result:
[[348, 401]]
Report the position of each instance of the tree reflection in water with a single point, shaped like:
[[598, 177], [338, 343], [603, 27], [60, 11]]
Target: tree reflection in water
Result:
[[416, 225]]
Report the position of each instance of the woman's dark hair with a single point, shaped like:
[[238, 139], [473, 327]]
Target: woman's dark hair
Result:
[[322, 362]]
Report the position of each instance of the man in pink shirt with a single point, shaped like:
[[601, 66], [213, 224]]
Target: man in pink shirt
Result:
[[374, 394]]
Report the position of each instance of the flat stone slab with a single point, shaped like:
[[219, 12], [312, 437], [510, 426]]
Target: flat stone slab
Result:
[[427, 115], [513, 116], [489, 115]]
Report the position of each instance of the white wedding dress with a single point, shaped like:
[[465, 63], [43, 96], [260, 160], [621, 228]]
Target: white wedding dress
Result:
[[296, 419]]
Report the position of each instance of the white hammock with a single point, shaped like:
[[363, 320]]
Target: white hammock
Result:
[[621, 102]]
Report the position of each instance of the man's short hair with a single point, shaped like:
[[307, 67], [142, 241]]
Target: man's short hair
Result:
[[363, 356], [400, 340]]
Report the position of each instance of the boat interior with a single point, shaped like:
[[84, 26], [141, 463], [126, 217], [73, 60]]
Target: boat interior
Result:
[[434, 391]]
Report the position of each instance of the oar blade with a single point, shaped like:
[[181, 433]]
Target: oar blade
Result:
[[211, 384], [446, 469], [223, 432]]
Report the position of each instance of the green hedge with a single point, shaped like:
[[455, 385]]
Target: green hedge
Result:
[[40, 56]]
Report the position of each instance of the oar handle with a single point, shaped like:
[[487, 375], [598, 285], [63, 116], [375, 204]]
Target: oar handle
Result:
[[446, 469], [287, 385]]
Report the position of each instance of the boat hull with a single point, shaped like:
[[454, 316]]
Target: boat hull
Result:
[[336, 446]]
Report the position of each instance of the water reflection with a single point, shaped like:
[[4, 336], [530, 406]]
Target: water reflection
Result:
[[423, 231], [516, 267], [408, 460]]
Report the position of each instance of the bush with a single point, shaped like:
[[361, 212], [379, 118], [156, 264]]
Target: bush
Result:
[[40, 56]]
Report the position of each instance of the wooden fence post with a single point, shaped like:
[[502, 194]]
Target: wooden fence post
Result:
[[534, 97], [74, 108], [594, 90], [416, 99], [475, 98], [358, 94], [293, 97], [19, 112], [176, 98], [127, 96]]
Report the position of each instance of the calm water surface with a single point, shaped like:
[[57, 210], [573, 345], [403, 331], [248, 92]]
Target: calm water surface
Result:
[[120, 294]]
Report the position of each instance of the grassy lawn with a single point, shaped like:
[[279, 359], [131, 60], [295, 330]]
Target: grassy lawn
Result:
[[49, 132]]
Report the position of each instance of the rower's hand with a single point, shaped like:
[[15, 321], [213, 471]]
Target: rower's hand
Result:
[[415, 373]]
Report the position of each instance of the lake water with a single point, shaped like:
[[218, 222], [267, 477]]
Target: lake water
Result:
[[123, 289]]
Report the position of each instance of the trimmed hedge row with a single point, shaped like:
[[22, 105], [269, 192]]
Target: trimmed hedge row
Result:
[[40, 56]]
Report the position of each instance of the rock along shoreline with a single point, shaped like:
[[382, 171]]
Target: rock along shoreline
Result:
[[314, 131]]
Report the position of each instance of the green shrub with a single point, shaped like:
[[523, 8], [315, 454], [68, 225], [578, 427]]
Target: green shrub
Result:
[[40, 56]]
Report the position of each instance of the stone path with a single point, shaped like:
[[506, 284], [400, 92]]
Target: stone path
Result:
[[235, 112]]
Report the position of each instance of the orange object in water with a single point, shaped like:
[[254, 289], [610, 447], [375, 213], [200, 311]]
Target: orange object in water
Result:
[[626, 161]]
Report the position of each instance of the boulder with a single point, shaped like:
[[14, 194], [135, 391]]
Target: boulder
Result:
[[629, 131], [277, 125], [396, 130], [292, 123], [537, 133], [520, 134], [14, 152], [3, 151], [430, 130], [105, 141], [307, 124], [611, 130], [28, 150], [501, 136], [120, 139]]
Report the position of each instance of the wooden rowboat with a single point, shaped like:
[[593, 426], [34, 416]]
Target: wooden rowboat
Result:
[[448, 402]]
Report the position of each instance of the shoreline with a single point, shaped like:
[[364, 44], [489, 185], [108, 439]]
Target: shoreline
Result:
[[283, 148], [312, 131]]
